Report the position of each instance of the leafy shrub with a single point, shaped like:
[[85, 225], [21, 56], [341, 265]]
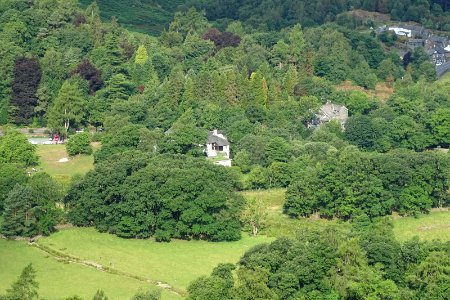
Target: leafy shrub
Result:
[[79, 144]]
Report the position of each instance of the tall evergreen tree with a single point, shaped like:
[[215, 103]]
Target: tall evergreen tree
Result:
[[18, 216], [25, 288]]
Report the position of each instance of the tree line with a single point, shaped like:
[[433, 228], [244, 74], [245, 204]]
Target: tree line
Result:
[[366, 262], [278, 14]]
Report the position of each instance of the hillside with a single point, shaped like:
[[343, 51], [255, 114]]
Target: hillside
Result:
[[147, 16]]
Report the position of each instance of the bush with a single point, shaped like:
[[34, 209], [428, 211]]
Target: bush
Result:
[[97, 137], [79, 144]]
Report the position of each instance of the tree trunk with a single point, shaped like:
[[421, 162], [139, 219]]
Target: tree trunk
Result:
[[254, 229]]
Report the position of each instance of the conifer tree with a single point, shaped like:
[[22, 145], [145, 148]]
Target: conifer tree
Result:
[[290, 81], [141, 55], [18, 217], [297, 45], [25, 288]]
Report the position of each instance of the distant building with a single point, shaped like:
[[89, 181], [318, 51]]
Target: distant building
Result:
[[416, 31], [401, 31], [218, 148], [329, 112], [414, 43], [439, 55]]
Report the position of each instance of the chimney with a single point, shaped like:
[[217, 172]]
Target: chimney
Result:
[[215, 131]]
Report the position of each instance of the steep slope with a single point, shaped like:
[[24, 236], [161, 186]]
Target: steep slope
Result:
[[148, 16]]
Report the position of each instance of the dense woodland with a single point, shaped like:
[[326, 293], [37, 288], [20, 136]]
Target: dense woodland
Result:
[[277, 14], [156, 98], [150, 102], [366, 263]]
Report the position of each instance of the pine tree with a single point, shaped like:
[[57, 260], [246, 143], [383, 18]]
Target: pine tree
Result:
[[290, 81], [258, 89], [297, 45], [141, 55], [25, 288], [18, 217]]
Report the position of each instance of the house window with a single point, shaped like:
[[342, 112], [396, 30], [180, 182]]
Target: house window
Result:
[[220, 148]]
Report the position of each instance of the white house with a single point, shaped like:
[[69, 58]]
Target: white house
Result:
[[218, 148], [401, 31]]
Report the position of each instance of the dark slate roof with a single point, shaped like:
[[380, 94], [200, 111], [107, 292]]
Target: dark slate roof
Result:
[[439, 50], [212, 138]]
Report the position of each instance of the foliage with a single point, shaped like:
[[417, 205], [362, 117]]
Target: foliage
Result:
[[79, 144], [355, 182], [331, 264], [189, 198], [69, 107], [27, 75], [15, 148], [30, 209], [254, 214], [10, 175], [90, 73], [147, 295], [25, 288]]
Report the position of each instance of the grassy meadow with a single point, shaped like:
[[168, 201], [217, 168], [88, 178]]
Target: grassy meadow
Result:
[[279, 224], [49, 156], [176, 263], [58, 280], [435, 225]]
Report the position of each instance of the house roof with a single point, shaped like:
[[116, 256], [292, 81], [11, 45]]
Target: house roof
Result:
[[411, 41], [438, 50], [330, 111], [215, 139]]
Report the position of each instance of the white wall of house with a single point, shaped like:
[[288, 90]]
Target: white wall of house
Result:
[[213, 153], [401, 31]]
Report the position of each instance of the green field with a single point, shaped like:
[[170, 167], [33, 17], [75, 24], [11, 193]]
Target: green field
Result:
[[176, 263], [58, 280], [435, 225], [148, 16], [279, 224], [49, 155]]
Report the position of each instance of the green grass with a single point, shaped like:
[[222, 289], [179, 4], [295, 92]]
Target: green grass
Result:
[[279, 224], [49, 156], [147, 16], [176, 263], [435, 225], [445, 78], [58, 280]]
